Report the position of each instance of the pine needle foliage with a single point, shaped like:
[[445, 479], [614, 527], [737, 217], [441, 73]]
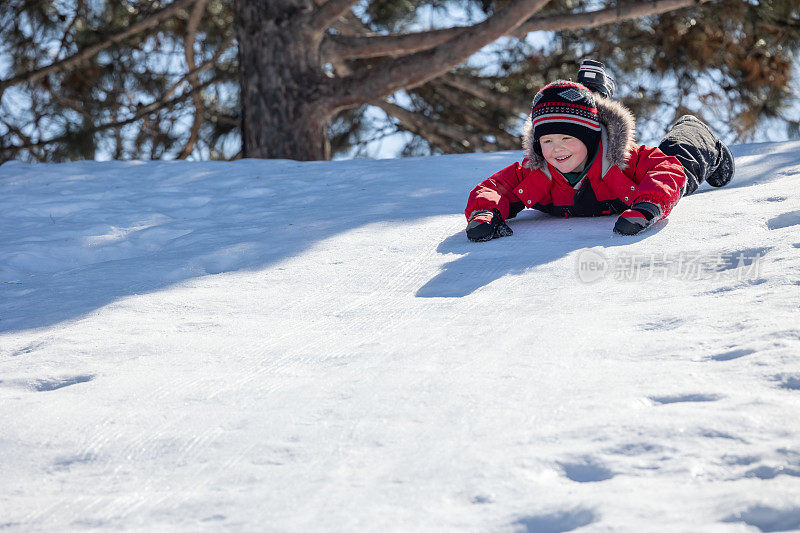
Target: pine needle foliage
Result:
[[731, 62]]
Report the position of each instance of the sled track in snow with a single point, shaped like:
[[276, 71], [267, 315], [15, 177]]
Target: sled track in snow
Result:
[[367, 318]]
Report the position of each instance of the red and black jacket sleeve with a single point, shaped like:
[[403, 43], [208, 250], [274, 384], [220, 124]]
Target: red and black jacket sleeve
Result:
[[660, 177], [499, 191]]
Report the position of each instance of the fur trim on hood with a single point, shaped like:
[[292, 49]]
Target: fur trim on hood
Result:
[[618, 134]]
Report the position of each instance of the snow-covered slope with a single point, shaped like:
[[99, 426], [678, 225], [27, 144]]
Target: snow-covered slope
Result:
[[284, 346]]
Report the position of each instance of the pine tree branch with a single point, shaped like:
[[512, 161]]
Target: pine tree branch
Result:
[[142, 112], [350, 24], [13, 129], [165, 101], [478, 90], [68, 63], [205, 66], [413, 70], [407, 121], [593, 19], [347, 24], [439, 133], [367, 46], [336, 46], [79, 9], [470, 117], [328, 12], [197, 97]]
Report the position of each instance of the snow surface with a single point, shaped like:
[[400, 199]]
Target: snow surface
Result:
[[285, 346]]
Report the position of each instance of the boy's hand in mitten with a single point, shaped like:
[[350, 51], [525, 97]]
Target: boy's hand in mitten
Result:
[[637, 218], [486, 225]]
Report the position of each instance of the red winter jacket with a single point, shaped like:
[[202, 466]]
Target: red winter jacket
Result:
[[626, 173]]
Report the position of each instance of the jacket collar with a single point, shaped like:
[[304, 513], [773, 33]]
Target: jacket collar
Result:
[[618, 134]]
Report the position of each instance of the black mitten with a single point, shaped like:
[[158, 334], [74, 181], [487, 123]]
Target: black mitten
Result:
[[486, 225], [637, 218]]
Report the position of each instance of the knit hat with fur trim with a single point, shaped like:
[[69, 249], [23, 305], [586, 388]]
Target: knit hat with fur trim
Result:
[[567, 108]]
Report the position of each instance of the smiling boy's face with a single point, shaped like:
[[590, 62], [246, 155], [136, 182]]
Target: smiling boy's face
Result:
[[564, 152]]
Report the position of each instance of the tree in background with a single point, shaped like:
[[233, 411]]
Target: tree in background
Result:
[[129, 79], [293, 78]]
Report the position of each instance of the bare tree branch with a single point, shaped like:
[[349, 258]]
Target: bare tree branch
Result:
[[413, 70], [366, 46], [328, 12], [70, 62], [197, 97]]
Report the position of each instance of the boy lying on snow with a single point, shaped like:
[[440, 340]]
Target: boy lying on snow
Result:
[[581, 160]]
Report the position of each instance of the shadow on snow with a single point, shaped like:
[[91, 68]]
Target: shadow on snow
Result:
[[176, 221]]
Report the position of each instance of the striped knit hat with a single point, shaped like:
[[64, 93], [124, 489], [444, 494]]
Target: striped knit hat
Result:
[[568, 108]]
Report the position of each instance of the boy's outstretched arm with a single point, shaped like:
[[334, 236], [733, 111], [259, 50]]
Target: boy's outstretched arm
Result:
[[661, 180], [489, 203]]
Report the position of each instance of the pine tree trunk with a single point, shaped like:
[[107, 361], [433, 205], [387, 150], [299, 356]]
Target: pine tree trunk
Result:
[[281, 79]]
